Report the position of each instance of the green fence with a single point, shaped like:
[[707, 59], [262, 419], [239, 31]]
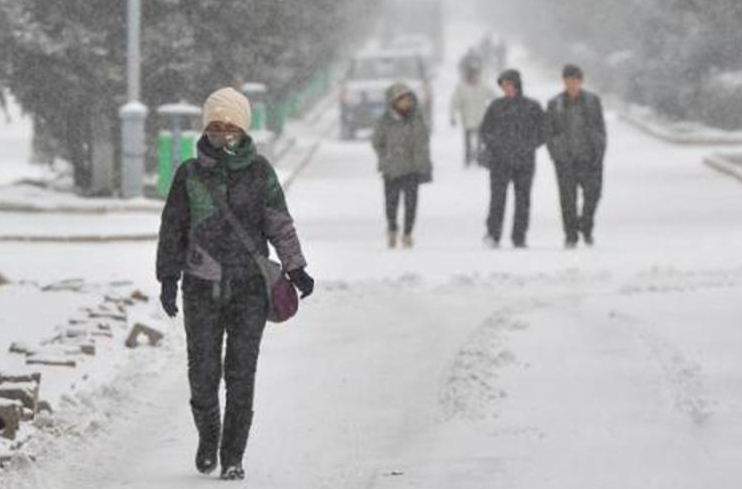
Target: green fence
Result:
[[296, 103], [165, 159]]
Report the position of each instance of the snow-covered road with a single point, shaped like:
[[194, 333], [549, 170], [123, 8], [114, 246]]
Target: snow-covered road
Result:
[[455, 366]]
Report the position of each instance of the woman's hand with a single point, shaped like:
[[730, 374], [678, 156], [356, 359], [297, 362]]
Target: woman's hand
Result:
[[169, 296], [302, 281]]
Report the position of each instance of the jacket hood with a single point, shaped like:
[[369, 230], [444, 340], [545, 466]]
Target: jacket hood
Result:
[[512, 76], [397, 91]]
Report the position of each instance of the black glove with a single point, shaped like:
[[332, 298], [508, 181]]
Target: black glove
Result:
[[169, 296], [302, 281]]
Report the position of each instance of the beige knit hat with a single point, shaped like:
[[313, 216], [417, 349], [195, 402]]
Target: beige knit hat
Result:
[[229, 106]]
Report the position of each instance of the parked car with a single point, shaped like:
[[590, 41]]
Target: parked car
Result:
[[363, 92]]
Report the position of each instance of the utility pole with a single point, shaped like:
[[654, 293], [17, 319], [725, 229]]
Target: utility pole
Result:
[[134, 113]]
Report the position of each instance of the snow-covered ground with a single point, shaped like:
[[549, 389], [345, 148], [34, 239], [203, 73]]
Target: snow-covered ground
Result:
[[453, 366]]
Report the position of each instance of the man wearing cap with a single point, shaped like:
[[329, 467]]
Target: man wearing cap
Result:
[[223, 290], [511, 132], [576, 137]]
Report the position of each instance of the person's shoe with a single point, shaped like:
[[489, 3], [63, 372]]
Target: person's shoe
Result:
[[520, 245], [589, 239], [206, 458], [491, 242], [408, 241], [570, 244], [391, 239], [232, 473]]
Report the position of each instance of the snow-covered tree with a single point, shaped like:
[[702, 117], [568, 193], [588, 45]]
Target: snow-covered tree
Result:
[[65, 60]]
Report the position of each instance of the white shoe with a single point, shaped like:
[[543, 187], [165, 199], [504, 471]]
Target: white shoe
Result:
[[408, 241], [391, 239], [490, 242]]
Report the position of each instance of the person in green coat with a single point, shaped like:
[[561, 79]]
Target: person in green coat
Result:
[[401, 140]]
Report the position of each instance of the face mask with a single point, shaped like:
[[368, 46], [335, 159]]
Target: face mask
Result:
[[227, 141]]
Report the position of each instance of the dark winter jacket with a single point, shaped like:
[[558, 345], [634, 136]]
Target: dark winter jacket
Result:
[[575, 129], [513, 129], [402, 142], [196, 238]]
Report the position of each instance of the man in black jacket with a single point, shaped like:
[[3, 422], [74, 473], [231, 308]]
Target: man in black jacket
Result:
[[576, 137], [511, 133]]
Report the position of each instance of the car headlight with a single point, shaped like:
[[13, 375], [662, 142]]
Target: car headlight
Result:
[[352, 98]]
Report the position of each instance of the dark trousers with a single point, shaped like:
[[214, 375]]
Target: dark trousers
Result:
[[394, 188], [521, 177], [236, 309], [573, 176], [471, 145]]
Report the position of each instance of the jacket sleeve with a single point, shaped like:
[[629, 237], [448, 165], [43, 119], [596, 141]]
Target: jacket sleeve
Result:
[[539, 125], [599, 129], [278, 225], [487, 128], [554, 138], [378, 141], [174, 229], [422, 139]]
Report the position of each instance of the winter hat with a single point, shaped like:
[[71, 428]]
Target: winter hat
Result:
[[573, 71], [229, 106], [512, 76]]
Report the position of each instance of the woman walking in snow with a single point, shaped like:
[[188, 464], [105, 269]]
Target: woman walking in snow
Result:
[[224, 292], [401, 140]]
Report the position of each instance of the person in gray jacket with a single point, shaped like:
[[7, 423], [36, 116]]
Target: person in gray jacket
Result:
[[576, 138], [401, 140], [224, 299]]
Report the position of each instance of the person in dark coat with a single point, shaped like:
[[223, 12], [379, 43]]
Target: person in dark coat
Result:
[[223, 289], [511, 133], [576, 137]]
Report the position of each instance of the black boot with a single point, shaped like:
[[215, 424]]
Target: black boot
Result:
[[233, 473], [237, 423], [208, 424]]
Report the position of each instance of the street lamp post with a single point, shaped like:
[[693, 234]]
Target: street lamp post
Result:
[[134, 113]]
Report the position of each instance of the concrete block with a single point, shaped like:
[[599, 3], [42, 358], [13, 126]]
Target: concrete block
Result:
[[10, 418], [153, 336]]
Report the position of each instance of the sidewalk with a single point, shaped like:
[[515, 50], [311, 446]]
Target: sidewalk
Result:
[[683, 132], [30, 213], [729, 164]]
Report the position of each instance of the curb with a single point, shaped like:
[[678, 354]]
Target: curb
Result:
[[67, 209], [123, 238], [668, 136], [722, 164]]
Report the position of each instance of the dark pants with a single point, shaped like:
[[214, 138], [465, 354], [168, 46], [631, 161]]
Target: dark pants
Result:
[[394, 188], [237, 309], [500, 178], [471, 145], [573, 176]]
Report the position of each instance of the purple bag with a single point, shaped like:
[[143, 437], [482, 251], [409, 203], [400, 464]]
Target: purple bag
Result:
[[283, 301]]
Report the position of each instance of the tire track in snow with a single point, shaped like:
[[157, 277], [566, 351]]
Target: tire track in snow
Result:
[[682, 376], [472, 390], [669, 280]]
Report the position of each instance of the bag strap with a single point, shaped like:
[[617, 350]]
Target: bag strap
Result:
[[221, 200]]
